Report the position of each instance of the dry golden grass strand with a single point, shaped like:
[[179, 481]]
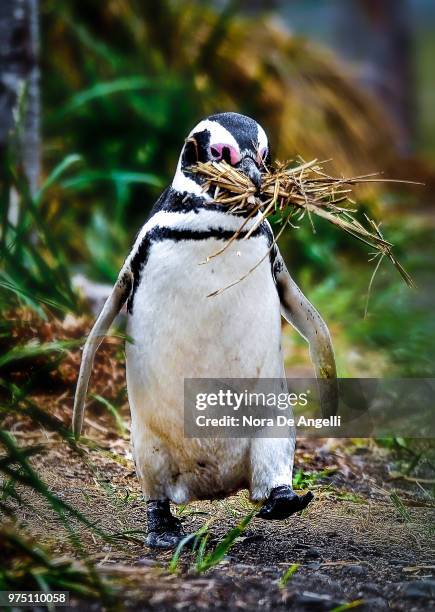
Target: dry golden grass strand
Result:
[[296, 191]]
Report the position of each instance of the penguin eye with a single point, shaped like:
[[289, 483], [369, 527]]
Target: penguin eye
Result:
[[226, 152], [215, 152], [262, 154]]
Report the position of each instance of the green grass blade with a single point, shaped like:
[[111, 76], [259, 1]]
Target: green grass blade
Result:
[[348, 606], [57, 172], [34, 349], [120, 423], [102, 90], [289, 573], [123, 177], [216, 556], [191, 537]]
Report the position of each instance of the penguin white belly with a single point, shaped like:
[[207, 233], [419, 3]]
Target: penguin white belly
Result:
[[178, 332]]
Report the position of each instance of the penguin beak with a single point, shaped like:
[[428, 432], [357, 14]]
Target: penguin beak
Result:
[[250, 168]]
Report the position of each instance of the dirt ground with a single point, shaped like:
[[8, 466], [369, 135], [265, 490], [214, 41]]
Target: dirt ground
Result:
[[365, 542], [353, 545]]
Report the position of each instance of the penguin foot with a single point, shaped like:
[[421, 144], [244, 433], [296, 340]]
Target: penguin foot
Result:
[[282, 503], [166, 540], [164, 530]]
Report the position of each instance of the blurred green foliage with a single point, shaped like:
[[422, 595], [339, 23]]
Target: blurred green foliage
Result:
[[122, 84], [399, 326], [34, 266], [128, 81]]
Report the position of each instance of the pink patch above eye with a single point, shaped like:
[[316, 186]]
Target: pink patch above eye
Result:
[[222, 150], [262, 154]]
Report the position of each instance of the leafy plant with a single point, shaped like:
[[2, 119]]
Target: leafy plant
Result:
[[193, 540], [204, 561]]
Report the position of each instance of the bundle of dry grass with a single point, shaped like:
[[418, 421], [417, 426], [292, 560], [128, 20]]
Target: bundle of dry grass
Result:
[[291, 192]]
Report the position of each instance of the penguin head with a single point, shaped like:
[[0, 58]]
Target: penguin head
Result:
[[234, 138]]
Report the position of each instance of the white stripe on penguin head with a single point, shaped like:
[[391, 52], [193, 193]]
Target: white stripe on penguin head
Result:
[[262, 138], [218, 134]]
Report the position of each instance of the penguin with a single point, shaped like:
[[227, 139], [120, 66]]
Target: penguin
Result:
[[178, 332]]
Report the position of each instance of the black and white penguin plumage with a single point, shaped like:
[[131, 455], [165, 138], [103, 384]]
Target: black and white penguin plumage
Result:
[[178, 332]]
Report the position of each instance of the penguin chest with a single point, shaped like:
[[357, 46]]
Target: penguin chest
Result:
[[179, 330]]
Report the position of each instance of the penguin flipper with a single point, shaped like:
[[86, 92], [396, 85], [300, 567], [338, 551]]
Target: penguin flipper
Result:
[[302, 315], [111, 308]]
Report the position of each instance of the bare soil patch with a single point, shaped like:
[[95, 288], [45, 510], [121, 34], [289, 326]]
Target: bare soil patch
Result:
[[351, 544]]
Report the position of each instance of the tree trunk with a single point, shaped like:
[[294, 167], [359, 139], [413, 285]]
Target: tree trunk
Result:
[[19, 85]]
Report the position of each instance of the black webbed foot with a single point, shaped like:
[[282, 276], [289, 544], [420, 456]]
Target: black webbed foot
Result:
[[166, 540], [282, 503], [164, 530]]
